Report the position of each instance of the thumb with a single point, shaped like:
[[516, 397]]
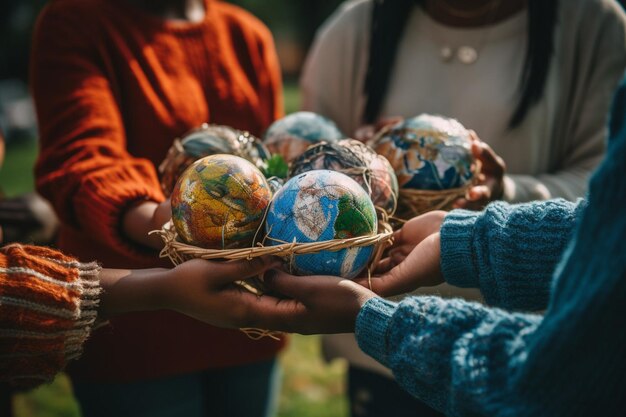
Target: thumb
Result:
[[419, 268]]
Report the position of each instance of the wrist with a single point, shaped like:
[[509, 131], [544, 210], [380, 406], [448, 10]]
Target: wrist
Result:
[[126, 291], [138, 221]]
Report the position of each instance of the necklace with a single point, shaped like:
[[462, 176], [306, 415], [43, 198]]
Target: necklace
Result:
[[468, 54]]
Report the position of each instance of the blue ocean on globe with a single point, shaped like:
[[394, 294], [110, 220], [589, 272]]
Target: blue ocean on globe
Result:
[[428, 152], [318, 206], [292, 134]]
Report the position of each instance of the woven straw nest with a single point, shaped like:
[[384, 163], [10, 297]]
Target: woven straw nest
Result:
[[412, 202], [179, 252]]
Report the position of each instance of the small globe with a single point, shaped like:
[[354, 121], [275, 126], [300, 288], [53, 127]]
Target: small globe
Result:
[[359, 162], [219, 202], [318, 206], [383, 181], [427, 152], [209, 140], [292, 134]]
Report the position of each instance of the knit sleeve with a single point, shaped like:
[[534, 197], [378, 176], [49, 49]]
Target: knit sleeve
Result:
[[598, 58], [468, 359], [48, 307], [509, 252], [452, 354], [84, 168]]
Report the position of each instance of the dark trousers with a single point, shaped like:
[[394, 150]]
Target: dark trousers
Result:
[[375, 395]]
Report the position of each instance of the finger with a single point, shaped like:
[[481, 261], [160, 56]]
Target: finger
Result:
[[479, 192], [460, 203], [272, 313], [383, 266], [302, 288], [420, 268], [224, 273]]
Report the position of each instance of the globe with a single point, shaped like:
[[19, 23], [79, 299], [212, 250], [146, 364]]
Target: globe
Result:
[[427, 152], [292, 134], [209, 140], [359, 162], [219, 202], [383, 184], [317, 206]]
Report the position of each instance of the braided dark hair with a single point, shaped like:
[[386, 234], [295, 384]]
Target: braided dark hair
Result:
[[389, 19]]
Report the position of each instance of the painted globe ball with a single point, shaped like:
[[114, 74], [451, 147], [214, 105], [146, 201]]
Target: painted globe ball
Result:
[[209, 140], [318, 206], [357, 160], [427, 152], [219, 202], [292, 134]]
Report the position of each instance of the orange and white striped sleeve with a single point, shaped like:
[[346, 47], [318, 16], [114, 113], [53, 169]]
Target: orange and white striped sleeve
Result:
[[48, 307]]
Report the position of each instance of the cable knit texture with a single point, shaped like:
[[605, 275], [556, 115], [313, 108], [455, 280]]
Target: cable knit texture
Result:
[[113, 87], [469, 360], [48, 307]]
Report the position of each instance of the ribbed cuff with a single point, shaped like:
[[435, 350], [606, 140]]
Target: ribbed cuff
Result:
[[104, 197], [49, 304], [457, 261], [371, 327]]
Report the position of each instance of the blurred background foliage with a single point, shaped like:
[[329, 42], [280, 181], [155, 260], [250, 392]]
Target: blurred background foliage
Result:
[[311, 387]]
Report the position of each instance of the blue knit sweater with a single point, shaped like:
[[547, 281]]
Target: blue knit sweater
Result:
[[566, 258]]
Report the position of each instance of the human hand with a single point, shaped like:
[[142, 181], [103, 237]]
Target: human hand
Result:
[[367, 132], [490, 184], [207, 291], [421, 268], [204, 290], [142, 218], [409, 236], [316, 304]]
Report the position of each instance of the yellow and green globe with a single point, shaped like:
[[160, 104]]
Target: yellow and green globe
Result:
[[219, 202]]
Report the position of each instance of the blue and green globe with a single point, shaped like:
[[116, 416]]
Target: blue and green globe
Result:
[[317, 206], [292, 134]]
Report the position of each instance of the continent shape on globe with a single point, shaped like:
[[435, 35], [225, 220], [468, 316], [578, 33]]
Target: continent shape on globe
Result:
[[219, 202], [318, 206]]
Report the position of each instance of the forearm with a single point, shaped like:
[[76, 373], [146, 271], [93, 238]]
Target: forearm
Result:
[[448, 353], [509, 252], [125, 291], [139, 220]]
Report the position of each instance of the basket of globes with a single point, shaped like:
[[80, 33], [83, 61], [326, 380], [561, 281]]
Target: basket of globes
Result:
[[433, 161], [329, 217]]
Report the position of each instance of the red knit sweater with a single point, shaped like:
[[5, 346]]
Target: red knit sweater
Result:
[[113, 87]]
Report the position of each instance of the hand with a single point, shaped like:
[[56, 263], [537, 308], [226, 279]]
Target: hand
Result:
[[490, 184], [367, 132], [207, 292], [421, 268], [201, 289], [317, 304], [409, 236], [140, 219]]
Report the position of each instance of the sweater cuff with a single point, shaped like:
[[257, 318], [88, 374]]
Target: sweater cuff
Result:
[[457, 261], [105, 197], [371, 327], [49, 307]]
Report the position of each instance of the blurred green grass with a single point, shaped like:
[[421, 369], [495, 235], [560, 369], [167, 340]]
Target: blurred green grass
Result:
[[311, 388]]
